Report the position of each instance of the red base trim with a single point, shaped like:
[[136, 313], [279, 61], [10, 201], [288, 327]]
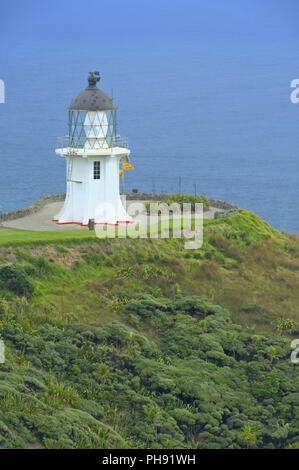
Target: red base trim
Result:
[[96, 223]]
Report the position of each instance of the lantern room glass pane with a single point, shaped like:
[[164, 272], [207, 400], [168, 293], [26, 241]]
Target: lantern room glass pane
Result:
[[92, 129]]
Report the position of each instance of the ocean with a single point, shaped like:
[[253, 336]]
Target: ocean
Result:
[[214, 114]]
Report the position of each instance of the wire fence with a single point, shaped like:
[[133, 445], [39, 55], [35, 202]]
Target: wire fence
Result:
[[155, 185]]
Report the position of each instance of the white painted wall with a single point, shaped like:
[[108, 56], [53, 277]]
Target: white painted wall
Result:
[[86, 196]]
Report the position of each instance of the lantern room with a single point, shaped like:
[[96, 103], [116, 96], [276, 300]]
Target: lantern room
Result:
[[92, 118]]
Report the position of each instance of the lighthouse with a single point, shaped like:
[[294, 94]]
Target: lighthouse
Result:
[[93, 152]]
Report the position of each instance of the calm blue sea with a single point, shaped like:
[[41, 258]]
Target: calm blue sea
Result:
[[215, 112]]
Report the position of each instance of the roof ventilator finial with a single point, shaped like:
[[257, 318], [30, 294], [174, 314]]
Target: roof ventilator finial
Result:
[[93, 78]]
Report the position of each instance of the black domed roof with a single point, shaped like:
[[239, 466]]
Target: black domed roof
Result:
[[92, 98]]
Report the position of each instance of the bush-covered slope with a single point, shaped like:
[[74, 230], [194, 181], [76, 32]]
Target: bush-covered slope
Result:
[[142, 343]]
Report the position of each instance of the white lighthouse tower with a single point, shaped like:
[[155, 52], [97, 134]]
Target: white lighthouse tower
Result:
[[93, 153]]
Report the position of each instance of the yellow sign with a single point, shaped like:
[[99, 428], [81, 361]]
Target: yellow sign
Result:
[[120, 173], [128, 166]]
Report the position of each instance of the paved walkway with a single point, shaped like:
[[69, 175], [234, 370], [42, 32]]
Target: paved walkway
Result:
[[42, 220]]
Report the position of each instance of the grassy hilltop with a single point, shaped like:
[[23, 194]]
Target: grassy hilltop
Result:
[[142, 343]]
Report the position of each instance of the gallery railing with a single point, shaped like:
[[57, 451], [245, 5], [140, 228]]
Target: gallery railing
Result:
[[114, 141]]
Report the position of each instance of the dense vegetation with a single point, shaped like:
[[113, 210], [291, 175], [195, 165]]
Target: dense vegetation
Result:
[[142, 343]]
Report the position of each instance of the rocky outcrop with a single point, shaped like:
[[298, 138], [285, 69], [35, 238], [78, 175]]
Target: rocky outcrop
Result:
[[225, 208]]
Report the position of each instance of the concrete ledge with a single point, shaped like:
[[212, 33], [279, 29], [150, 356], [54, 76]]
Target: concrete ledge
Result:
[[32, 208], [225, 208]]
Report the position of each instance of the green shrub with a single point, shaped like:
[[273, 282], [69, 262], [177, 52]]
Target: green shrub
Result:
[[14, 278]]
